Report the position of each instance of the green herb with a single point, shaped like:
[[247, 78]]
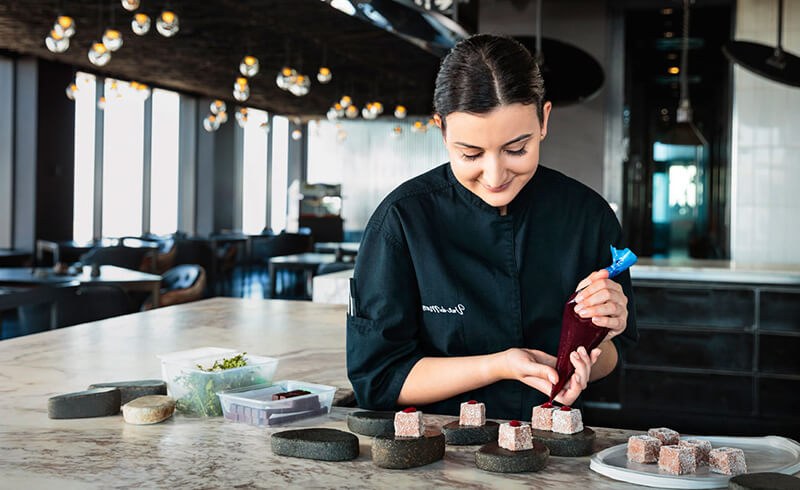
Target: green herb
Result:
[[202, 387]]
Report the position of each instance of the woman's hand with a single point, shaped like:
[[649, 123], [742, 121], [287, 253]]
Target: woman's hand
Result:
[[537, 370], [603, 301]]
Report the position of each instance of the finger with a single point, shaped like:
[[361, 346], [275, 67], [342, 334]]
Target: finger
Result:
[[543, 371], [596, 355], [538, 383], [570, 393], [605, 309], [542, 357], [582, 369], [616, 324], [601, 274], [604, 295], [596, 285]]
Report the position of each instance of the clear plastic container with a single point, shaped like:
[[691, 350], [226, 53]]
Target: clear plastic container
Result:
[[254, 404], [195, 390]]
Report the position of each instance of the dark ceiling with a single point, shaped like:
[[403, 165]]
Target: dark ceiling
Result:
[[367, 62]]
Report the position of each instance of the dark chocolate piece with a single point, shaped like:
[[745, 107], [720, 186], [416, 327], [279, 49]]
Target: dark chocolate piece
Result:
[[320, 444], [467, 435], [764, 481], [131, 390], [492, 457], [371, 423], [99, 402], [289, 394], [407, 452], [572, 445]]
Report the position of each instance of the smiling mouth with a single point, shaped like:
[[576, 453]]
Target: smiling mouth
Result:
[[496, 189]]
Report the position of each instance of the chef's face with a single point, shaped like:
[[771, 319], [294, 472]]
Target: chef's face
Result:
[[495, 154]]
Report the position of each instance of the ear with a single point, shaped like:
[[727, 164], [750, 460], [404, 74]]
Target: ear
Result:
[[545, 118], [438, 120]]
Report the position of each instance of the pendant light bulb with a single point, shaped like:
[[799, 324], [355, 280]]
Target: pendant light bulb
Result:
[[264, 127], [331, 114], [339, 109], [346, 101], [56, 43], [99, 54], [351, 112], [167, 24], [297, 134], [218, 106], [64, 26], [112, 39], [140, 25], [101, 103], [249, 66], [400, 112], [72, 91], [241, 117], [130, 5], [210, 123], [324, 75]]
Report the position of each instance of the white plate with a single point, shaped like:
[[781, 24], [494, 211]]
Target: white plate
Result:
[[771, 453]]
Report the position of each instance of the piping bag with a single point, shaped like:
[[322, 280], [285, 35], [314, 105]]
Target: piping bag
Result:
[[577, 331]]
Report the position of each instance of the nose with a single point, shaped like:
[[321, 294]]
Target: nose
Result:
[[493, 171]]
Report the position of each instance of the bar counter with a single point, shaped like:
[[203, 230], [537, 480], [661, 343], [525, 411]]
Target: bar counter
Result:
[[182, 452]]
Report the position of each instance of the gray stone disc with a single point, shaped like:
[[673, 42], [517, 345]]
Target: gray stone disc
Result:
[[571, 445], [467, 435], [321, 444], [492, 457], [99, 402], [401, 453], [764, 481], [371, 423], [131, 390]]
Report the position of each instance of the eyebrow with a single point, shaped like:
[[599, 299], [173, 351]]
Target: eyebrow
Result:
[[518, 138]]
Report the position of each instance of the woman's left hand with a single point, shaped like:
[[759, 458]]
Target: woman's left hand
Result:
[[603, 301]]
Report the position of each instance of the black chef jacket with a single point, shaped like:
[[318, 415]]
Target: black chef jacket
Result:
[[441, 273]]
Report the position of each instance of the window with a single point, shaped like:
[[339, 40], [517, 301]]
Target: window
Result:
[[83, 206], [280, 172], [123, 162], [164, 163], [254, 173]]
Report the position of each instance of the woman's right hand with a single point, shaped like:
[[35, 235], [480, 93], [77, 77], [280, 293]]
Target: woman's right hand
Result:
[[532, 367]]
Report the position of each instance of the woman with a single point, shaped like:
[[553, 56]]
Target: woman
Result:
[[464, 271]]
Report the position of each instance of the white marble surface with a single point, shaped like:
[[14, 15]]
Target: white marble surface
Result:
[[184, 452]]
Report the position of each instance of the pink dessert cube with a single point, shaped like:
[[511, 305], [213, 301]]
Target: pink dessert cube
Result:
[[677, 460], [542, 417], [643, 449], [727, 460], [515, 436], [701, 449], [668, 437], [472, 413], [567, 421], [408, 423]]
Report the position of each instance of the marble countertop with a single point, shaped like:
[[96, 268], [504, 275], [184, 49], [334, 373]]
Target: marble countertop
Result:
[[182, 452]]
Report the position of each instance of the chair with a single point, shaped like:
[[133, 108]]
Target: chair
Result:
[[165, 258], [181, 284]]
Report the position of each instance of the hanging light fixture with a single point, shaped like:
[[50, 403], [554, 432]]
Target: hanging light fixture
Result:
[[286, 78], [64, 26], [218, 106], [376, 109], [167, 23], [339, 109], [101, 103], [297, 134], [99, 55], [56, 43], [324, 75], [346, 101], [241, 117], [112, 39], [351, 112], [241, 90], [331, 114], [249, 66], [301, 86], [210, 123], [397, 131], [72, 90], [264, 126], [130, 5], [140, 25], [400, 112], [222, 117], [418, 127]]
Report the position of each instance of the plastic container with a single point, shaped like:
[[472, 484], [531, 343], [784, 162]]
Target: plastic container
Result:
[[254, 404], [195, 390]]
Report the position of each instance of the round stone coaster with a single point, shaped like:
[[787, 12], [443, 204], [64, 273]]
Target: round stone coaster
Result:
[[150, 409], [407, 452], [764, 481], [492, 457], [571, 445], [131, 390], [371, 423], [321, 444], [99, 402], [468, 435]]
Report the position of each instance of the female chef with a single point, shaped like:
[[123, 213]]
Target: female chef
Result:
[[463, 272]]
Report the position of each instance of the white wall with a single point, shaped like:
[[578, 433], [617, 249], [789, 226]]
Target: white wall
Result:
[[765, 211]]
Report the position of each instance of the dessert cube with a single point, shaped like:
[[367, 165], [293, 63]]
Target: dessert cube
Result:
[[643, 449], [408, 423], [668, 437], [567, 421], [677, 460], [727, 460], [701, 449], [542, 417], [515, 436], [472, 413]]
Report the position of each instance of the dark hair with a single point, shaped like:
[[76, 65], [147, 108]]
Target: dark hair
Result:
[[485, 71]]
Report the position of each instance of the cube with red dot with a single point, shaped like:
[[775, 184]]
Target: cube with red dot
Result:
[[472, 414], [542, 417], [515, 436], [408, 423], [567, 421]]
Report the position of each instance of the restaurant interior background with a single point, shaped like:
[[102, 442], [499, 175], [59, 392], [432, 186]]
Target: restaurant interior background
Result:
[[129, 150]]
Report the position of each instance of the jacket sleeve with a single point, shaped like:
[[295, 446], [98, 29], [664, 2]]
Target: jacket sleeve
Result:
[[383, 331]]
